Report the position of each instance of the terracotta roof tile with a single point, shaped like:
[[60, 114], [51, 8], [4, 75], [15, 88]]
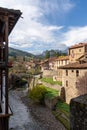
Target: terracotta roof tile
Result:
[[78, 45], [52, 59], [45, 61], [75, 65], [63, 58]]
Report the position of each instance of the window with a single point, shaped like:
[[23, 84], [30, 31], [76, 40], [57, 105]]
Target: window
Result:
[[85, 48], [76, 84], [72, 51], [59, 62], [66, 83], [66, 72], [72, 70], [66, 62], [79, 50], [77, 73]]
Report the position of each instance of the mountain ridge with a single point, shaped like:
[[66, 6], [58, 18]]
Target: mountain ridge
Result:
[[17, 52]]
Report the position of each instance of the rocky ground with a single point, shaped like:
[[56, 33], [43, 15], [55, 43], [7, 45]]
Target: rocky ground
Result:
[[42, 114]]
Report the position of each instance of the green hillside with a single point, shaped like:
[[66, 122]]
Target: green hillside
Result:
[[15, 52]]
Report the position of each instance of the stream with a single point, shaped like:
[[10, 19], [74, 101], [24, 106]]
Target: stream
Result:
[[22, 118]]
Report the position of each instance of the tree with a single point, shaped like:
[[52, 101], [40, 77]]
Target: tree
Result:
[[24, 59], [53, 53], [82, 85], [47, 54]]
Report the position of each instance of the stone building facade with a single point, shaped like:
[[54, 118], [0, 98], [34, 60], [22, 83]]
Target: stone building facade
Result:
[[61, 61], [54, 65], [70, 68], [76, 68], [70, 77], [77, 51], [44, 65]]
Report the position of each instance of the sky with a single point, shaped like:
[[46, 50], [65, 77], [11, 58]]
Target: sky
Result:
[[48, 24]]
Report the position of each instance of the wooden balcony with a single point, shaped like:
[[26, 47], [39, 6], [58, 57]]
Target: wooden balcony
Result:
[[8, 19], [4, 118]]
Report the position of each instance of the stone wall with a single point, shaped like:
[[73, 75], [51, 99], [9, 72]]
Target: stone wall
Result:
[[55, 86], [51, 102], [59, 77], [49, 73], [78, 113], [71, 89]]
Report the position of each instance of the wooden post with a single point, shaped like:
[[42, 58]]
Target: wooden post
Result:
[[6, 64], [7, 23], [1, 83]]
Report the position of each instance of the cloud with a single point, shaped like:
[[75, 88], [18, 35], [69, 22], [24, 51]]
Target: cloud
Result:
[[54, 28], [74, 35], [35, 27], [56, 6]]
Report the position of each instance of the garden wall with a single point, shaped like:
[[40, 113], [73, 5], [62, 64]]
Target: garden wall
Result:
[[49, 73], [78, 113]]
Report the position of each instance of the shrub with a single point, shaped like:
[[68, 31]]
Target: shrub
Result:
[[37, 94]]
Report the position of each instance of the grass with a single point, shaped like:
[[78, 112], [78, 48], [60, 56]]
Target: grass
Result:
[[51, 92], [63, 114], [63, 106], [63, 120], [50, 80]]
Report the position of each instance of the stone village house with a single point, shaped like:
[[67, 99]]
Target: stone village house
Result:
[[68, 68], [76, 51], [60, 61], [50, 66], [76, 68], [44, 65], [54, 63], [70, 76], [47, 67]]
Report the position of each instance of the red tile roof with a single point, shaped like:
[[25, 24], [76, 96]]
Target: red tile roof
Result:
[[75, 65], [78, 45], [55, 59], [44, 61], [63, 58]]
